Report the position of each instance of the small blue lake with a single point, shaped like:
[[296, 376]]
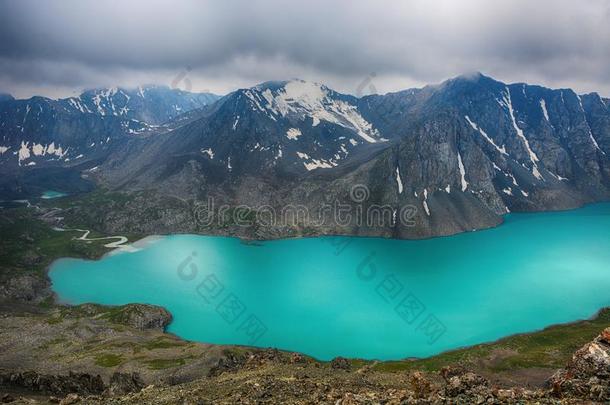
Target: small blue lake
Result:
[[363, 297], [50, 194]]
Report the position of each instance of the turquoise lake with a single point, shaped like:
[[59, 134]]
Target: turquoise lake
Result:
[[363, 297]]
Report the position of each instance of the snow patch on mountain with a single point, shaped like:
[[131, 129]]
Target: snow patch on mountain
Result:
[[532, 155], [399, 180], [595, 142], [24, 152], [477, 128], [425, 203], [209, 152], [545, 112], [312, 164], [77, 103], [97, 100], [311, 100], [38, 149], [513, 179], [589, 128], [293, 134], [462, 172], [558, 177]]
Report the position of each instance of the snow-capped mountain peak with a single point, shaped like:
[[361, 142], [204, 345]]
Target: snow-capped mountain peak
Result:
[[41, 130], [151, 104], [313, 102]]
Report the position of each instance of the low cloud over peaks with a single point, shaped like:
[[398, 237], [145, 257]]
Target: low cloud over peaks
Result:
[[60, 47]]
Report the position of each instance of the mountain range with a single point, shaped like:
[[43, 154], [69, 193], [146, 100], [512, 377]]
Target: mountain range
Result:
[[58, 135], [463, 153]]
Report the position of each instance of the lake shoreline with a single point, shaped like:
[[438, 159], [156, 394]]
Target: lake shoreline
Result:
[[593, 317]]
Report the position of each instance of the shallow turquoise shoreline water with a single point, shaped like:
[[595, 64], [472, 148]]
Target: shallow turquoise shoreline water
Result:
[[363, 297]]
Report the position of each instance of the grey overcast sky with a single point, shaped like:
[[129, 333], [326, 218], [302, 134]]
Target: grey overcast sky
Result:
[[57, 48]]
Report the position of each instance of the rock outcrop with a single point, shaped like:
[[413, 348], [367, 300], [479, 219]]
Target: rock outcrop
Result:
[[142, 316], [587, 376], [26, 288], [340, 363], [83, 383], [124, 383]]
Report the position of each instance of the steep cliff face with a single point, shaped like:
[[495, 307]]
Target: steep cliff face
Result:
[[473, 149]]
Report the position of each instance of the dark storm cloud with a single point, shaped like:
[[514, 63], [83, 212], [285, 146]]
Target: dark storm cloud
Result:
[[58, 46]]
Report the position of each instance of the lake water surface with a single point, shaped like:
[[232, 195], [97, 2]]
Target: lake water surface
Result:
[[363, 297]]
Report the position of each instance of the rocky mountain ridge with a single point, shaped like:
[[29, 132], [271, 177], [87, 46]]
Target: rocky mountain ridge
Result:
[[61, 128], [80, 132], [463, 153], [459, 155]]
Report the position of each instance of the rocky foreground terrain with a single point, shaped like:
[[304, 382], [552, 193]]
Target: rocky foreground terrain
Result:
[[270, 377], [243, 375]]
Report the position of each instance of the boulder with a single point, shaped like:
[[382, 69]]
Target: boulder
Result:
[[7, 398], [297, 358], [587, 375], [141, 316], [54, 384], [466, 387], [124, 383], [26, 287], [605, 336], [340, 363], [420, 385], [70, 399]]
